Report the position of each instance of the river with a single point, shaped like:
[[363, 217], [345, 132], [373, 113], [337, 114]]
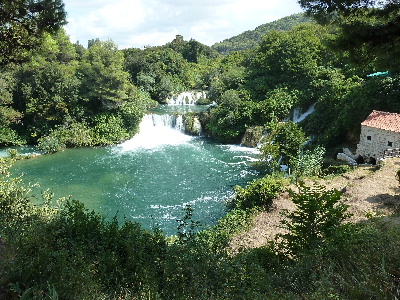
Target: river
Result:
[[148, 179]]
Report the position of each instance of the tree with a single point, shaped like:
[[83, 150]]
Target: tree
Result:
[[9, 117], [292, 59], [283, 141], [226, 121], [47, 96], [105, 84], [370, 29], [22, 24], [318, 214]]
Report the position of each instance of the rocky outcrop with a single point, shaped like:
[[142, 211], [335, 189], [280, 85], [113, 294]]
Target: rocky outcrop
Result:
[[252, 136]]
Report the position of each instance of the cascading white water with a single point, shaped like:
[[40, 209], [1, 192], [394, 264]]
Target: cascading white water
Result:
[[186, 98], [150, 178], [156, 130], [298, 116], [197, 126]]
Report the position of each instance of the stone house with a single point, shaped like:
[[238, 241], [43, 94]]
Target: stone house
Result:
[[380, 135]]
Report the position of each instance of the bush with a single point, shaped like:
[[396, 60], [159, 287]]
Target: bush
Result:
[[80, 254], [50, 144], [74, 135], [259, 193], [398, 175], [9, 137], [318, 214], [12, 152], [108, 129], [308, 163], [337, 170]]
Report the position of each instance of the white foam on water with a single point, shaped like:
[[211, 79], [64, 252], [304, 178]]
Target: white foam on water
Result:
[[156, 131], [186, 98], [239, 148]]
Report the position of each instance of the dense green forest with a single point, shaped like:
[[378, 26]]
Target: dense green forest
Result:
[[251, 38], [57, 94]]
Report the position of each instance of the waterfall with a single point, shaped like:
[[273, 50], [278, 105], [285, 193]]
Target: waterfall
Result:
[[186, 98], [298, 116], [157, 130]]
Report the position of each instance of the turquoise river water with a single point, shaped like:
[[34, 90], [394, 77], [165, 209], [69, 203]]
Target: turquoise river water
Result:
[[148, 179]]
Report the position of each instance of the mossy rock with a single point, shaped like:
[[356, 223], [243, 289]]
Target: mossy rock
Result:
[[252, 136]]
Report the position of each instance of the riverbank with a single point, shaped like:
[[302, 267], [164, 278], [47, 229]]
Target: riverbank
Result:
[[369, 191]]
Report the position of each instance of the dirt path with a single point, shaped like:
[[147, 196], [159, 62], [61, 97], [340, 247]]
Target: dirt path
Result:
[[369, 191]]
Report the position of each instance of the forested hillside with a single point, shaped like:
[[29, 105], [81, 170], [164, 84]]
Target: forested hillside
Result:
[[66, 95], [56, 94], [251, 38]]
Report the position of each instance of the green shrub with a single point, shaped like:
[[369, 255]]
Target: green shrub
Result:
[[50, 144], [398, 175], [318, 214], [79, 253], [217, 237], [337, 170], [259, 193], [9, 137], [74, 135], [308, 163], [12, 152], [108, 129], [15, 205]]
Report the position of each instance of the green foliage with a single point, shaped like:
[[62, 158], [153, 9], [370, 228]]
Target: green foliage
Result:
[[234, 222], [22, 24], [187, 227], [9, 116], [15, 205], [69, 135], [318, 214], [251, 38], [258, 193], [105, 84], [47, 96], [398, 175], [108, 129], [225, 123], [10, 137], [368, 30], [56, 97], [337, 169], [73, 135], [282, 142], [12, 152], [296, 59], [50, 144], [307, 163], [338, 118], [175, 67], [66, 252]]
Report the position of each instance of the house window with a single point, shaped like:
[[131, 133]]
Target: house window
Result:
[[368, 137], [390, 144]]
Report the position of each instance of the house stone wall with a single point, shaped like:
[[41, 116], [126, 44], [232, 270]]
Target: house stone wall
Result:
[[378, 142]]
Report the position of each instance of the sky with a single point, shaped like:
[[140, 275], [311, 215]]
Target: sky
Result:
[[140, 23]]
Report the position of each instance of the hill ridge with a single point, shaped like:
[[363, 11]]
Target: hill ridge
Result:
[[251, 38]]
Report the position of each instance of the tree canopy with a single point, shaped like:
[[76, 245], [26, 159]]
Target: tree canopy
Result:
[[22, 24], [251, 38], [369, 29]]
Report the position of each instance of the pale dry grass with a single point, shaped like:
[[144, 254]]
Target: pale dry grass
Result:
[[369, 191]]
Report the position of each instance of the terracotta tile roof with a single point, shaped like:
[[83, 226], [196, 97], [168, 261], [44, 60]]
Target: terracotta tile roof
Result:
[[383, 120]]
